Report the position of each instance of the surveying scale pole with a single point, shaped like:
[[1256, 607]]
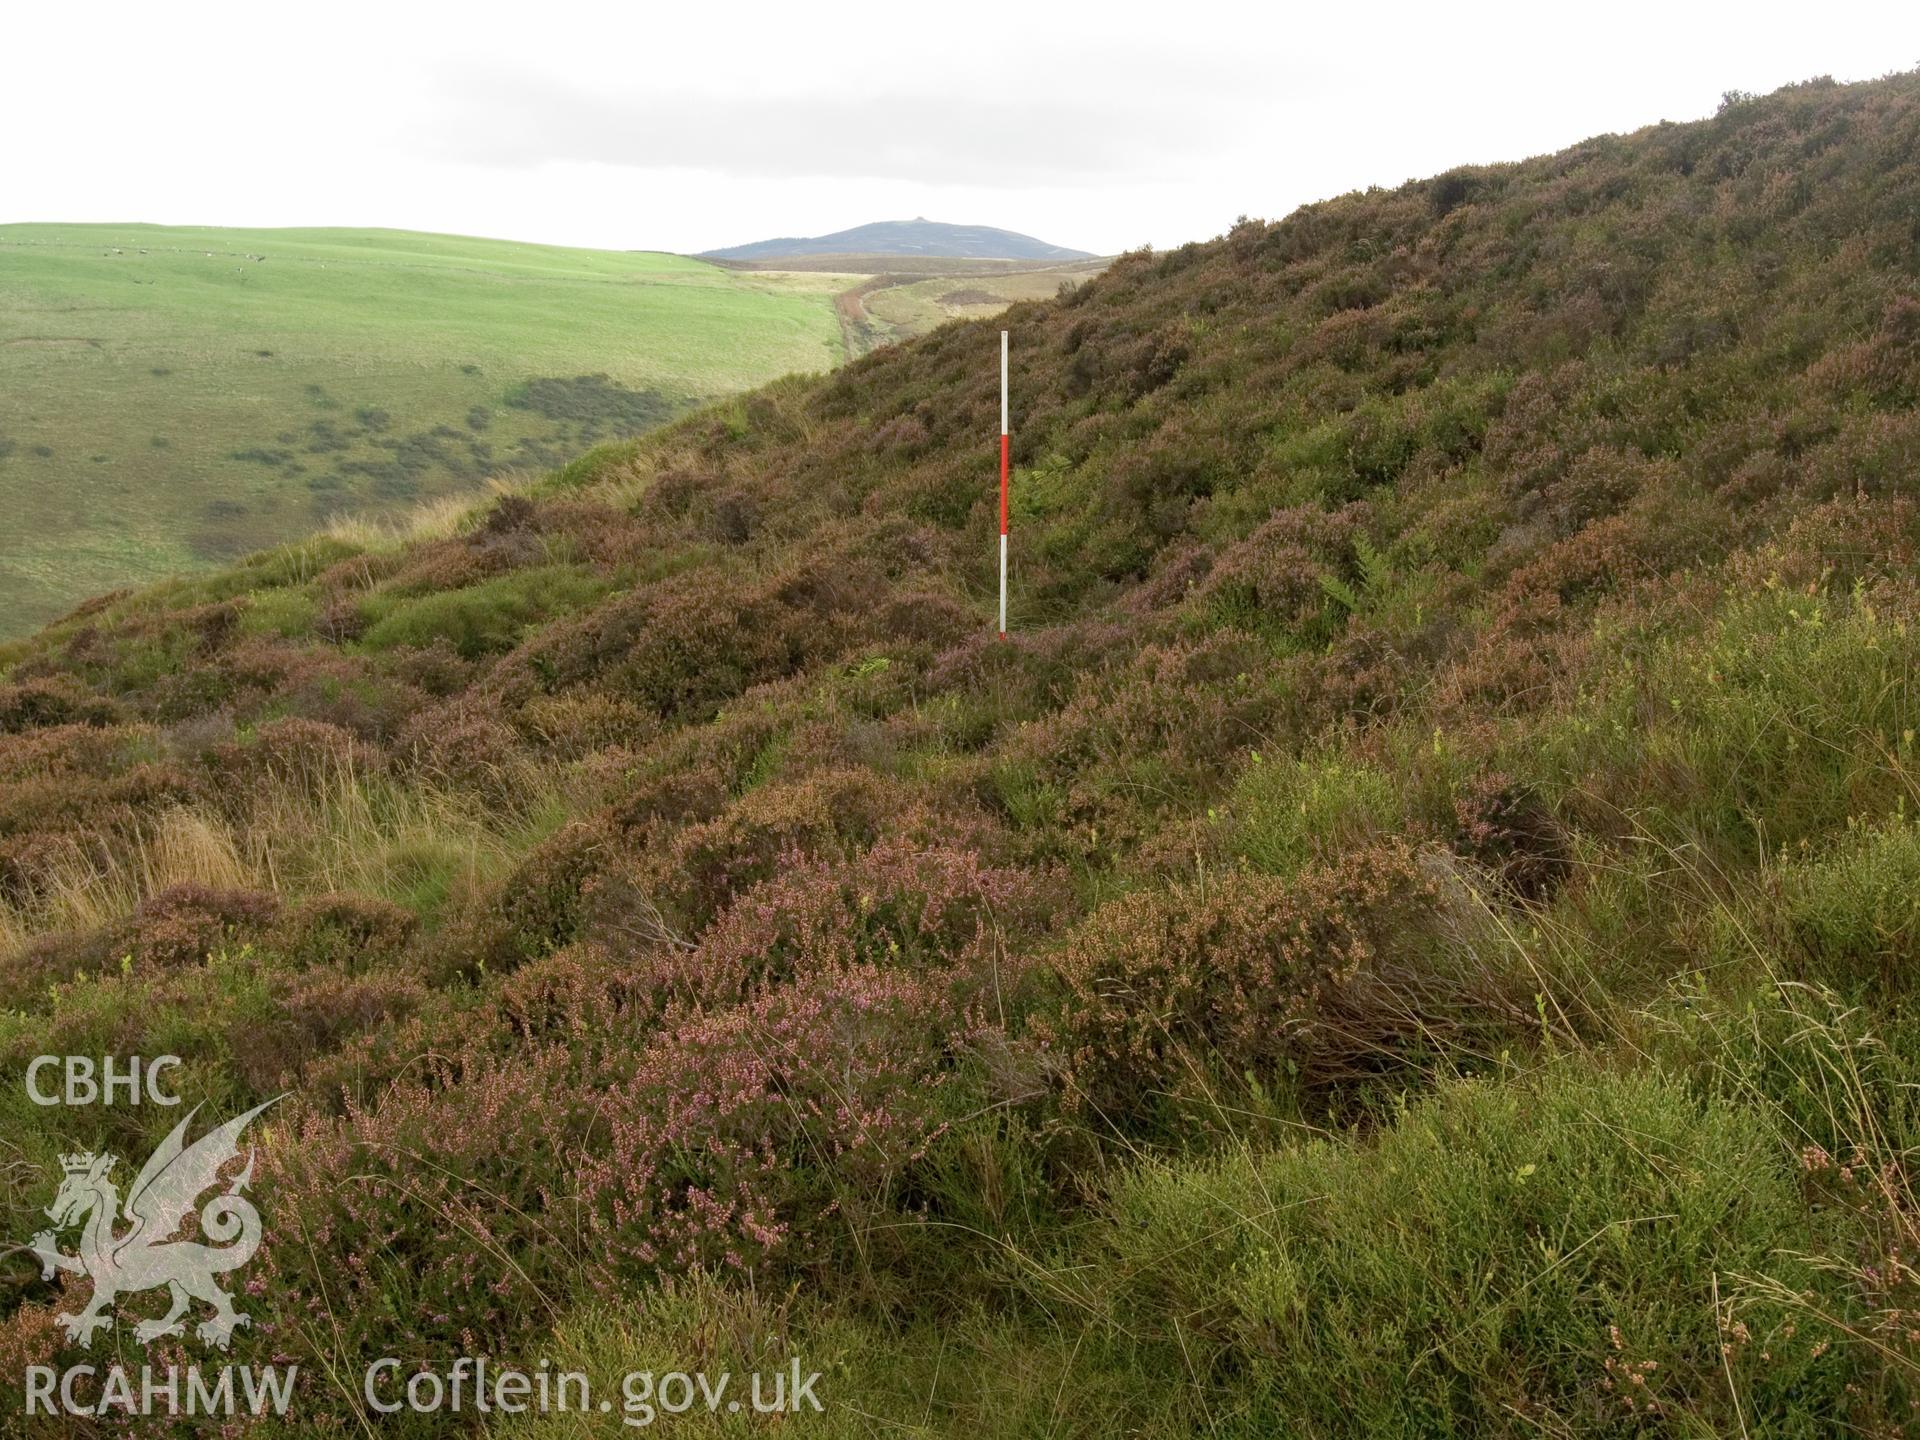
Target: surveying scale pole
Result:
[[1003, 484]]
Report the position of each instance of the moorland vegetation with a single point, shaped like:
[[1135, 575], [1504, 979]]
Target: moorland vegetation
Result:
[[1413, 935]]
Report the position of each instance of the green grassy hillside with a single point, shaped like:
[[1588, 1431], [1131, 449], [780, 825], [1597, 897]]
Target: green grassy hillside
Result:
[[1414, 935], [174, 397]]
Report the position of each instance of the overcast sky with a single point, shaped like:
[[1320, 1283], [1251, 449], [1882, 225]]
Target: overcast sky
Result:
[[648, 126]]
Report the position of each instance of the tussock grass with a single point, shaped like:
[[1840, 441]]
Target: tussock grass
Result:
[[978, 1374], [15, 931], [340, 829], [368, 833], [82, 889], [437, 519]]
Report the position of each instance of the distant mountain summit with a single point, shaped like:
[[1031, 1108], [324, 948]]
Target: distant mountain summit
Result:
[[918, 236]]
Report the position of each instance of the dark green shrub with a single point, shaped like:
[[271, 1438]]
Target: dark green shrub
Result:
[[347, 933]]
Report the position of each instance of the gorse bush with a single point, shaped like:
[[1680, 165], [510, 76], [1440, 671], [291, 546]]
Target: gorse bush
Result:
[[1411, 934]]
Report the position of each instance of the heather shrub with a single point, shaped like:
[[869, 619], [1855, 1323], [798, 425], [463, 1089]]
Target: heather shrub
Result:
[[575, 995], [1355, 682], [1137, 741], [756, 1136], [68, 807], [1858, 540], [1603, 558], [737, 748], [482, 1149], [28, 1337], [341, 622], [986, 685], [359, 568], [364, 1063], [462, 743], [924, 620], [347, 933], [1597, 483], [73, 749], [298, 756], [1335, 973], [1442, 618], [678, 645], [540, 906], [688, 643], [37, 964], [1532, 651], [1506, 828], [835, 812], [185, 924], [578, 724], [456, 564], [1175, 573], [1528, 660], [309, 1017], [901, 905], [199, 738], [348, 694], [71, 896], [436, 670], [1273, 581], [38, 703], [1855, 455], [652, 803]]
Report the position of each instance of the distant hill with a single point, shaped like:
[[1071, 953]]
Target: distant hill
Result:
[[918, 236]]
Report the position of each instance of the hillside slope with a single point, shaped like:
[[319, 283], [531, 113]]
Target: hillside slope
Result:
[[917, 237], [174, 397], [1413, 935]]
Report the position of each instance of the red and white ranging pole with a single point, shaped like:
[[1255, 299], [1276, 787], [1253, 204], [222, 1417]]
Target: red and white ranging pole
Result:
[[1003, 484]]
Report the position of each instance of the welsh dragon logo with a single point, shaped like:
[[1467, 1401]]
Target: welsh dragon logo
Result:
[[145, 1255]]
